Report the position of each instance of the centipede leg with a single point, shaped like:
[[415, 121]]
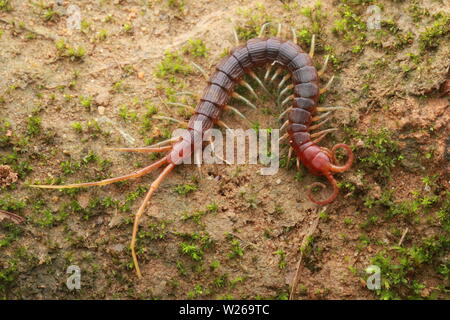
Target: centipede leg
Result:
[[269, 70], [276, 74], [327, 86], [183, 123], [284, 125], [287, 100], [322, 116], [285, 78], [289, 156], [323, 109], [294, 35], [283, 92], [279, 30], [165, 142], [261, 84], [326, 131], [214, 151], [324, 67], [178, 104], [245, 100], [236, 37], [222, 124], [313, 46], [232, 109], [284, 113], [249, 88], [263, 29], [153, 187], [314, 127], [284, 137], [202, 71], [142, 149]]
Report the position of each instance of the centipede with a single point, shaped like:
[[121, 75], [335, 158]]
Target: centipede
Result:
[[304, 115]]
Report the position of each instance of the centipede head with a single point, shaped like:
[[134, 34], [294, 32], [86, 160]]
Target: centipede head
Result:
[[325, 163]]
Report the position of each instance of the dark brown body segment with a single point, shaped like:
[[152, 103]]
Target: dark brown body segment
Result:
[[245, 58]]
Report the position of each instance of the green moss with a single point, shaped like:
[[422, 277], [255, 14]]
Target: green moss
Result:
[[33, 126], [126, 114], [380, 153], [5, 5], [398, 269], [254, 20], [184, 189], [428, 39], [172, 64], [196, 48]]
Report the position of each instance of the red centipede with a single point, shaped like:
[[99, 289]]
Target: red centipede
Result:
[[244, 59]]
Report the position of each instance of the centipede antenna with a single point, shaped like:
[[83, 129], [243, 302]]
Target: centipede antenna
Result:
[[233, 109], [248, 87], [284, 125], [327, 86], [285, 136], [254, 76], [168, 141], [183, 123], [245, 100], [322, 109], [236, 37], [153, 187], [276, 74], [285, 78], [222, 124], [316, 118], [178, 104], [324, 67], [269, 69], [284, 112], [326, 131], [141, 150], [314, 127], [313, 46], [105, 182], [287, 100], [202, 71], [294, 35]]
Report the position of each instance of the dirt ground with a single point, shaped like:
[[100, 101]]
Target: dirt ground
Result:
[[227, 232]]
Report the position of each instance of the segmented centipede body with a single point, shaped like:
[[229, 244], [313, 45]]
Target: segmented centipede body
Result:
[[229, 72]]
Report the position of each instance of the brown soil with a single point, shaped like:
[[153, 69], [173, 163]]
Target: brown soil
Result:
[[265, 214]]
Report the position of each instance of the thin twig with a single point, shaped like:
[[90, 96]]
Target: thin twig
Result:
[[11, 216], [403, 237], [40, 34], [309, 233]]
